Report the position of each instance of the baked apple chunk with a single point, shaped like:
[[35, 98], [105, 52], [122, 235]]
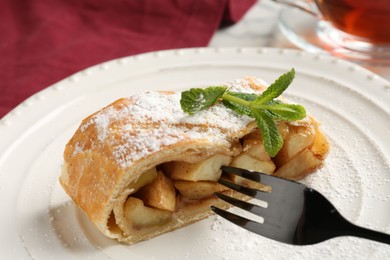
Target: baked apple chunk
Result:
[[207, 170], [140, 216], [198, 190], [160, 193], [304, 150]]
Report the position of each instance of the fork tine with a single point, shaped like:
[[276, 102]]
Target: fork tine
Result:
[[258, 194], [255, 209], [260, 177], [254, 176], [238, 220]]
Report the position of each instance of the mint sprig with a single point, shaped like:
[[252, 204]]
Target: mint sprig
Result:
[[264, 108]]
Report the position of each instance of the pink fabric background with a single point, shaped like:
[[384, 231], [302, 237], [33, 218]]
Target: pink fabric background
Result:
[[42, 42]]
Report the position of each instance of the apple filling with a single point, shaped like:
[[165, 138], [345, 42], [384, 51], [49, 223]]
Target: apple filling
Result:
[[170, 191], [165, 193]]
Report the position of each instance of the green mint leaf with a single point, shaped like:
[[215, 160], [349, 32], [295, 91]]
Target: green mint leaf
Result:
[[287, 112], [197, 99], [239, 108], [276, 88], [272, 139], [244, 96]]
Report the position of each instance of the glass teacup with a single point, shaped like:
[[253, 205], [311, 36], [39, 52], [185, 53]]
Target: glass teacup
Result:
[[358, 30]]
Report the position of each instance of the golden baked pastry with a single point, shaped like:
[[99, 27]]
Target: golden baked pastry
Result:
[[141, 167]]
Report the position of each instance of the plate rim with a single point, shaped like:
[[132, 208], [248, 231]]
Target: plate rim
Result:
[[38, 96]]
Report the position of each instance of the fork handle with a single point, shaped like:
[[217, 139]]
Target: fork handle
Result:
[[369, 234]]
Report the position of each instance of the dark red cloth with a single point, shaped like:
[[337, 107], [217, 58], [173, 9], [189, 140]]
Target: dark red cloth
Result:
[[42, 42]]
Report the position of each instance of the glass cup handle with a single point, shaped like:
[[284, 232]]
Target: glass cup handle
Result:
[[305, 5]]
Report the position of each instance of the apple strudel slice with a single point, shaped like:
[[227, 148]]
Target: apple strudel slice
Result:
[[141, 167]]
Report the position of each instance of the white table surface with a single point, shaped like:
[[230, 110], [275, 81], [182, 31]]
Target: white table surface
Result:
[[259, 28]]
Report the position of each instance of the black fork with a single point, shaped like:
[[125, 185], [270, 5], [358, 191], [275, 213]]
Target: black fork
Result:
[[296, 214]]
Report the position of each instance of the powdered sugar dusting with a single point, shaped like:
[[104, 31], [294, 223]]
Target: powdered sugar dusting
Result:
[[102, 121], [241, 85], [77, 148]]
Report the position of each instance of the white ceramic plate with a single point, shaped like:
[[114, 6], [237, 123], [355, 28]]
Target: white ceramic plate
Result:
[[38, 219]]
